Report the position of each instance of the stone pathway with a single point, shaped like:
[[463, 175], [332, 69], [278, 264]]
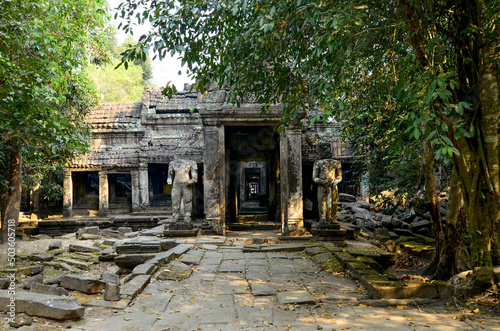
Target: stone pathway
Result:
[[231, 289]]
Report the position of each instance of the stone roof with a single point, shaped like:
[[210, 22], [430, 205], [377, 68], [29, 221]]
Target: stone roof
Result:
[[115, 158], [115, 115]]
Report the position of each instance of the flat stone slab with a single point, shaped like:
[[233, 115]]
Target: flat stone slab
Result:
[[261, 288], [290, 297], [175, 270], [49, 289], [132, 260], [190, 259], [231, 266], [83, 248], [75, 263], [135, 286], [42, 305]]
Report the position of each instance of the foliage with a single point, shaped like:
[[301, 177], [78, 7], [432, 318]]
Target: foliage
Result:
[[120, 84], [44, 92], [412, 65]]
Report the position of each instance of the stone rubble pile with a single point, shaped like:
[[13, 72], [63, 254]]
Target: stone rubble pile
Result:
[[372, 221]]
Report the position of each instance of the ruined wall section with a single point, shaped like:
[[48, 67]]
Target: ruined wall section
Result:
[[322, 140], [116, 134], [172, 127]]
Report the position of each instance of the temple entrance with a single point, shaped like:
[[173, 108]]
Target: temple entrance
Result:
[[252, 167], [120, 193], [85, 192], [159, 191]]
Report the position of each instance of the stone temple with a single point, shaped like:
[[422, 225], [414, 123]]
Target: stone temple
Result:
[[246, 171]]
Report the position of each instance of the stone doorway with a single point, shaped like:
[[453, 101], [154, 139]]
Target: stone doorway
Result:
[[120, 193], [252, 174], [85, 192], [159, 191]]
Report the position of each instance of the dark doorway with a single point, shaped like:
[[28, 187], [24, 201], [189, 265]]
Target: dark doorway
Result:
[[85, 190], [252, 173], [120, 192], [159, 190]]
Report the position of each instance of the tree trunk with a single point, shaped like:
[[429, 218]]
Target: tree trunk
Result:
[[489, 196], [454, 252], [11, 200], [433, 207]]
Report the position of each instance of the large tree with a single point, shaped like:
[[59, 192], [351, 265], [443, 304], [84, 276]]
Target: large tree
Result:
[[44, 92], [432, 63]]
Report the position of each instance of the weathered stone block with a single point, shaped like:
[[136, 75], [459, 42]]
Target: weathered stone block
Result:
[[83, 248], [42, 305], [109, 277], [37, 279], [111, 292], [175, 270], [132, 260], [56, 244], [135, 286], [85, 284], [49, 289]]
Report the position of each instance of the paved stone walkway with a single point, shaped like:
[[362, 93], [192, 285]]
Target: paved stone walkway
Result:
[[235, 290]]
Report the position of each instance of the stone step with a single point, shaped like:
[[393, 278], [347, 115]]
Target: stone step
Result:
[[251, 226]]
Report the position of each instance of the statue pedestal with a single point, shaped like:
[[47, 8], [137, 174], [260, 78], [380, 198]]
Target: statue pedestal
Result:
[[328, 232], [179, 229]]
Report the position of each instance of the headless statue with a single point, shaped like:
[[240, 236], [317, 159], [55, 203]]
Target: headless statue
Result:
[[183, 174], [327, 174]]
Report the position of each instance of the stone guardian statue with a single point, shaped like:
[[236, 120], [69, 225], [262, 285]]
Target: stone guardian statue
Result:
[[183, 174], [327, 174]]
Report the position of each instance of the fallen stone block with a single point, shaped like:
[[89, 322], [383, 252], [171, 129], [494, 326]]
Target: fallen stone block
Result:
[[344, 197], [147, 268], [42, 305], [49, 289], [62, 265], [85, 284], [135, 286], [28, 282], [75, 263], [175, 270], [420, 224], [56, 244], [56, 280], [94, 230], [4, 283], [83, 248], [130, 261], [108, 277], [111, 292], [37, 257]]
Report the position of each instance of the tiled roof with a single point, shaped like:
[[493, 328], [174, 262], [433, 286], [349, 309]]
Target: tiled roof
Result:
[[115, 115]]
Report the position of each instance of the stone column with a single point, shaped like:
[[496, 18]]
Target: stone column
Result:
[[134, 174], [291, 183], [143, 187], [214, 176], [364, 188], [68, 194], [103, 193]]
